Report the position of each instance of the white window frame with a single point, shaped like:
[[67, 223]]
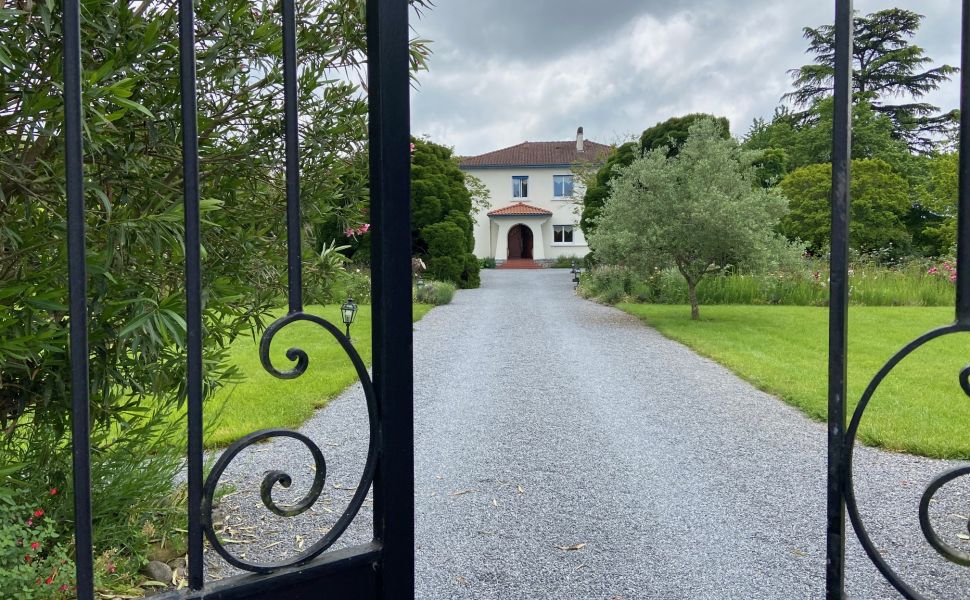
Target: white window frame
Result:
[[524, 187], [566, 196], [563, 229]]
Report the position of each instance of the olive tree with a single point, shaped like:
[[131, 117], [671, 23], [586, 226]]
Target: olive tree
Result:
[[701, 211]]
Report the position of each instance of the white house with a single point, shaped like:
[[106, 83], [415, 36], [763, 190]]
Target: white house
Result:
[[533, 213]]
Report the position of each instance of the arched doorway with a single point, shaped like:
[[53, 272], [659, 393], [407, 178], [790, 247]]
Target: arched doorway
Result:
[[520, 242]]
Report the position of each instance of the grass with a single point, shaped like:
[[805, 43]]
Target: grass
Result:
[[261, 400], [783, 350]]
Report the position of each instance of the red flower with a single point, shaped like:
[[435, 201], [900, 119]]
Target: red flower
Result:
[[28, 558], [63, 587], [49, 580], [38, 513], [35, 545], [53, 491]]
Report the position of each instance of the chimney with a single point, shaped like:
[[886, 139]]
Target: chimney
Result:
[[579, 140]]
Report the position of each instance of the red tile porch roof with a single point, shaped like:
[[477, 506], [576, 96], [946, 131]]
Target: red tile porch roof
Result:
[[520, 209]]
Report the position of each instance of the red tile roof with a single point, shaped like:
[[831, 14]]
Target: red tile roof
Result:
[[539, 154], [520, 209]]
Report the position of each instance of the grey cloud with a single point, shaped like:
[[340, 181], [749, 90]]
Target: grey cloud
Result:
[[507, 71]]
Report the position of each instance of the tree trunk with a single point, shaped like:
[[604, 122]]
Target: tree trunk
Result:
[[695, 310]]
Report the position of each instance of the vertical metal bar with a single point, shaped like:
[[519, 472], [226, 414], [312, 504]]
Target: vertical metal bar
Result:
[[963, 214], [839, 300], [293, 242], [388, 86], [193, 286], [78, 292]]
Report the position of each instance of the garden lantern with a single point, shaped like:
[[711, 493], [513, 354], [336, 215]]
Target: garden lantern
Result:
[[347, 312]]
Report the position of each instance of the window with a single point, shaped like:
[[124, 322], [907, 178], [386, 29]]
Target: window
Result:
[[562, 186], [562, 234], [520, 186]]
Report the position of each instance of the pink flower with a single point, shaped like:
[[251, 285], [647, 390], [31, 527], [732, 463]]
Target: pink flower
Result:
[[35, 545], [63, 587], [349, 232], [53, 491], [412, 148], [933, 271], [953, 277], [38, 513], [364, 228], [30, 522]]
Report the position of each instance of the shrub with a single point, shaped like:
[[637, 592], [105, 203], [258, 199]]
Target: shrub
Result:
[[448, 260], [435, 293], [566, 262], [470, 275], [34, 557], [607, 284], [444, 268], [441, 214], [880, 203], [488, 263], [355, 284], [916, 283]]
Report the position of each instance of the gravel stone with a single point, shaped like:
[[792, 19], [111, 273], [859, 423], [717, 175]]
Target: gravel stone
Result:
[[156, 570], [565, 450]]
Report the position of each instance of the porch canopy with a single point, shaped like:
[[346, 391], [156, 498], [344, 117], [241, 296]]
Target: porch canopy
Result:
[[505, 224]]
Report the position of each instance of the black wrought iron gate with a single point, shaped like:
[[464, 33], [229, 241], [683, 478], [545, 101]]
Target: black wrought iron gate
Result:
[[842, 436], [383, 568]]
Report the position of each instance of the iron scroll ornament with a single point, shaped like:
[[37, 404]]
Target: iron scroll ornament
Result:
[[272, 478], [946, 550]]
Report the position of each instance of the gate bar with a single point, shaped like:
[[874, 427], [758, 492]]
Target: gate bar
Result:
[[390, 171], [839, 300], [963, 213], [294, 248], [193, 287], [77, 294]]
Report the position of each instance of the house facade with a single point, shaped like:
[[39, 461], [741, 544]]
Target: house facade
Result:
[[533, 212]]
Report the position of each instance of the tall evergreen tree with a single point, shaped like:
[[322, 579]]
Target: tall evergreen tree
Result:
[[886, 66], [441, 219]]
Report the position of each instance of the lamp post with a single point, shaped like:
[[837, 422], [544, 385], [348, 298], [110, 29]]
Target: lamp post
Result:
[[347, 313]]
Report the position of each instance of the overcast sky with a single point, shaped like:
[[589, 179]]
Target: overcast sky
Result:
[[507, 71]]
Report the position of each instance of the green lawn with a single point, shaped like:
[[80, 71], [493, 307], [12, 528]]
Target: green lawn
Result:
[[919, 408], [261, 400]]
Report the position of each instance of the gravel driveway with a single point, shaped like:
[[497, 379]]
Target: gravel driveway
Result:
[[564, 450]]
